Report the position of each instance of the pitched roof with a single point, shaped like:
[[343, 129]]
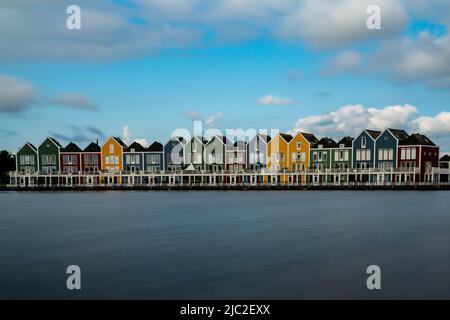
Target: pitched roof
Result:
[[265, 137], [55, 142], [286, 137], [223, 138], [202, 139], [310, 137], [399, 134], [346, 141], [327, 143], [136, 146], [119, 141], [445, 158], [417, 139], [373, 133], [32, 146], [71, 147], [92, 147], [155, 147]]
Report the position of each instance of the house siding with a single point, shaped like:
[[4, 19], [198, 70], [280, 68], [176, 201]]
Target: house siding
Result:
[[357, 145], [27, 159], [49, 160]]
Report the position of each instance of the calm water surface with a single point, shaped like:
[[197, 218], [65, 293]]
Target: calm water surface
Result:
[[225, 245]]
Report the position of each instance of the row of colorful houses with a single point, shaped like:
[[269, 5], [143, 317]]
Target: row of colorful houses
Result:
[[385, 150]]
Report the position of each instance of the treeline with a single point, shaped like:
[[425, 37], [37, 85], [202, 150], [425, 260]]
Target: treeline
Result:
[[7, 163]]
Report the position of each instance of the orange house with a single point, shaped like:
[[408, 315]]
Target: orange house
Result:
[[112, 156], [299, 148]]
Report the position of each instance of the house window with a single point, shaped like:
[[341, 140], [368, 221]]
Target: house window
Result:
[[363, 142], [116, 159], [314, 156], [358, 155], [325, 156], [413, 153], [403, 154], [111, 148], [299, 144], [408, 154]]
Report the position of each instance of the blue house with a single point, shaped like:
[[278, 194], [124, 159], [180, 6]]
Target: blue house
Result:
[[386, 152], [174, 154], [154, 157], [364, 149], [133, 158]]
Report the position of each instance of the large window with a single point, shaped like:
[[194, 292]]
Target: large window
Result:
[[26, 160], [363, 155], [70, 159]]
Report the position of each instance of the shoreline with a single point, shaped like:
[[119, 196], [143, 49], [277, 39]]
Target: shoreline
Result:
[[233, 188]]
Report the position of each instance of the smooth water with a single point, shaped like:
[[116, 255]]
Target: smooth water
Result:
[[225, 245]]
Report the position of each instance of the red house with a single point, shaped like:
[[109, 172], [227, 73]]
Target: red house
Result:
[[91, 164], [417, 151], [70, 159]]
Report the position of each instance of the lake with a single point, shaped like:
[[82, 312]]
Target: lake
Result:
[[225, 244]]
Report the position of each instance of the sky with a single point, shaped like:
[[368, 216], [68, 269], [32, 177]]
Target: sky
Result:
[[140, 69]]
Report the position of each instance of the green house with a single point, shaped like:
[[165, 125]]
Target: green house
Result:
[[341, 158], [320, 154], [27, 159], [48, 152]]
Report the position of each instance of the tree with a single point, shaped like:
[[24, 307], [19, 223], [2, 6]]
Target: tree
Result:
[[7, 163]]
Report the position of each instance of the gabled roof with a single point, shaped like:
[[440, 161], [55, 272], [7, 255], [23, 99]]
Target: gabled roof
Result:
[[264, 137], [445, 158], [346, 141], [119, 141], [399, 134], [327, 143], [55, 142], [30, 145], [373, 133], [417, 139], [155, 147], [136, 146], [71, 147], [92, 147], [286, 137], [222, 139], [182, 140], [309, 137], [202, 139]]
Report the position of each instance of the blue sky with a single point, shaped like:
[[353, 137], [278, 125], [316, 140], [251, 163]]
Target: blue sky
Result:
[[140, 69]]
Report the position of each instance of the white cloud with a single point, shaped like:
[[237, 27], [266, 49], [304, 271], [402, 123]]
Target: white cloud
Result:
[[147, 26], [126, 134], [212, 119], [438, 125], [351, 119], [15, 94], [142, 141], [127, 137], [38, 31], [425, 59], [74, 100], [343, 62], [325, 24], [192, 115], [209, 122], [273, 99]]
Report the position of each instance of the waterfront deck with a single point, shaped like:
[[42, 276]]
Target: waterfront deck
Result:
[[435, 178]]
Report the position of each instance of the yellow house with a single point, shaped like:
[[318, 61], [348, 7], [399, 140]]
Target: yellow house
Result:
[[112, 156], [277, 151], [277, 155], [299, 147]]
